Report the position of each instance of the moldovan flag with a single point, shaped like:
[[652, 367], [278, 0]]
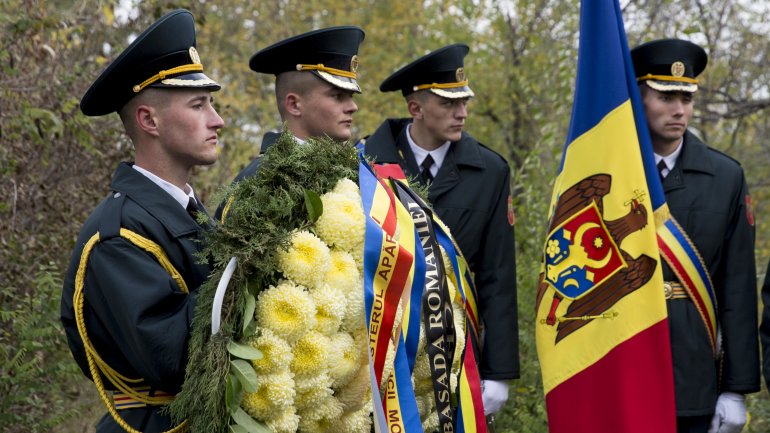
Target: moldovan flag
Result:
[[602, 328]]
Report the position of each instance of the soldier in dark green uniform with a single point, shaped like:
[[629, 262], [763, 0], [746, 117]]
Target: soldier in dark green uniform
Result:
[[315, 79], [129, 293], [764, 328], [469, 188], [707, 194]]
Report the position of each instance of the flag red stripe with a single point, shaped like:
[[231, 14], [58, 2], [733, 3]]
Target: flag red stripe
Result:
[[621, 392]]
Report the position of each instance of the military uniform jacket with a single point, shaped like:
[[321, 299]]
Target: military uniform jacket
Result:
[[136, 315], [764, 328], [470, 193], [707, 194]]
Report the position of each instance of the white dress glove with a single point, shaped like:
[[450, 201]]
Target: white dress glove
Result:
[[494, 394], [730, 414]]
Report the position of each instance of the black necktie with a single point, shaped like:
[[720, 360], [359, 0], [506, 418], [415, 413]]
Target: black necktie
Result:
[[427, 163], [194, 209], [661, 166]]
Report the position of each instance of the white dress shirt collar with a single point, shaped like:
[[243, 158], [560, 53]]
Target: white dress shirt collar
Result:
[[179, 195], [420, 154]]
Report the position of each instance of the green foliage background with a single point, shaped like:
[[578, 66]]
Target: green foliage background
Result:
[[55, 163]]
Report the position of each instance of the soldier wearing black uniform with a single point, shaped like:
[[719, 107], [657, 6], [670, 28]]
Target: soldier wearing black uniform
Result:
[[707, 194], [315, 80], [469, 189], [129, 293]]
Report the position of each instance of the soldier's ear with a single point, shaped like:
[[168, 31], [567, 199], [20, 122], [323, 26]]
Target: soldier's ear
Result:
[[146, 118], [292, 103], [415, 108]]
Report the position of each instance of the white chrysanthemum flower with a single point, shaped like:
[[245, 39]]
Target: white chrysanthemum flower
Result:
[[286, 309], [320, 417], [343, 273], [342, 222], [344, 359], [286, 422], [357, 392], [311, 354], [276, 352], [431, 422], [390, 358], [353, 422], [307, 259], [329, 308], [275, 393], [424, 404], [347, 188], [354, 320]]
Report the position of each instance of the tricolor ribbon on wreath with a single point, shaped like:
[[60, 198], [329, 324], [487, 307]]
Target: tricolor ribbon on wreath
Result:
[[406, 280]]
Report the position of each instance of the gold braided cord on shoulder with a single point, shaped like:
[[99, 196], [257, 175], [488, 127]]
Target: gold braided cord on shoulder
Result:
[[155, 249], [441, 85], [321, 67], [96, 364], [667, 78], [192, 67], [226, 209]]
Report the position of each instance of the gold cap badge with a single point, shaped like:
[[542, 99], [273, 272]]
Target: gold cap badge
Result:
[[460, 74], [194, 56], [354, 63], [677, 69]]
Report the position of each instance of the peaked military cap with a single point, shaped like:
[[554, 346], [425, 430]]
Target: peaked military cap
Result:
[[669, 65], [330, 54], [163, 56], [441, 72]]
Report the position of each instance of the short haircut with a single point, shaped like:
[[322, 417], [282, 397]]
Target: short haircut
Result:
[[299, 82], [153, 97]]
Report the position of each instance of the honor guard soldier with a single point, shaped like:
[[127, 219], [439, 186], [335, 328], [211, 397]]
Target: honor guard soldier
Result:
[[469, 189], [130, 289], [707, 194], [315, 79]]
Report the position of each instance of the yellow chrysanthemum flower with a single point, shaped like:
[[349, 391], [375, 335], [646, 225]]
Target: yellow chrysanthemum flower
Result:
[[286, 422], [275, 393], [286, 309], [307, 259], [344, 359], [276, 352], [347, 188], [343, 273], [311, 354], [424, 404], [304, 384], [342, 223], [329, 308], [357, 392], [310, 396], [353, 422]]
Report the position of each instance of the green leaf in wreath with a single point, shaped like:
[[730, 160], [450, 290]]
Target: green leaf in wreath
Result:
[[314, 205], [244, 351], [233, 393], [244, 372], [235, 428], [248, 312], [250, 424]]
